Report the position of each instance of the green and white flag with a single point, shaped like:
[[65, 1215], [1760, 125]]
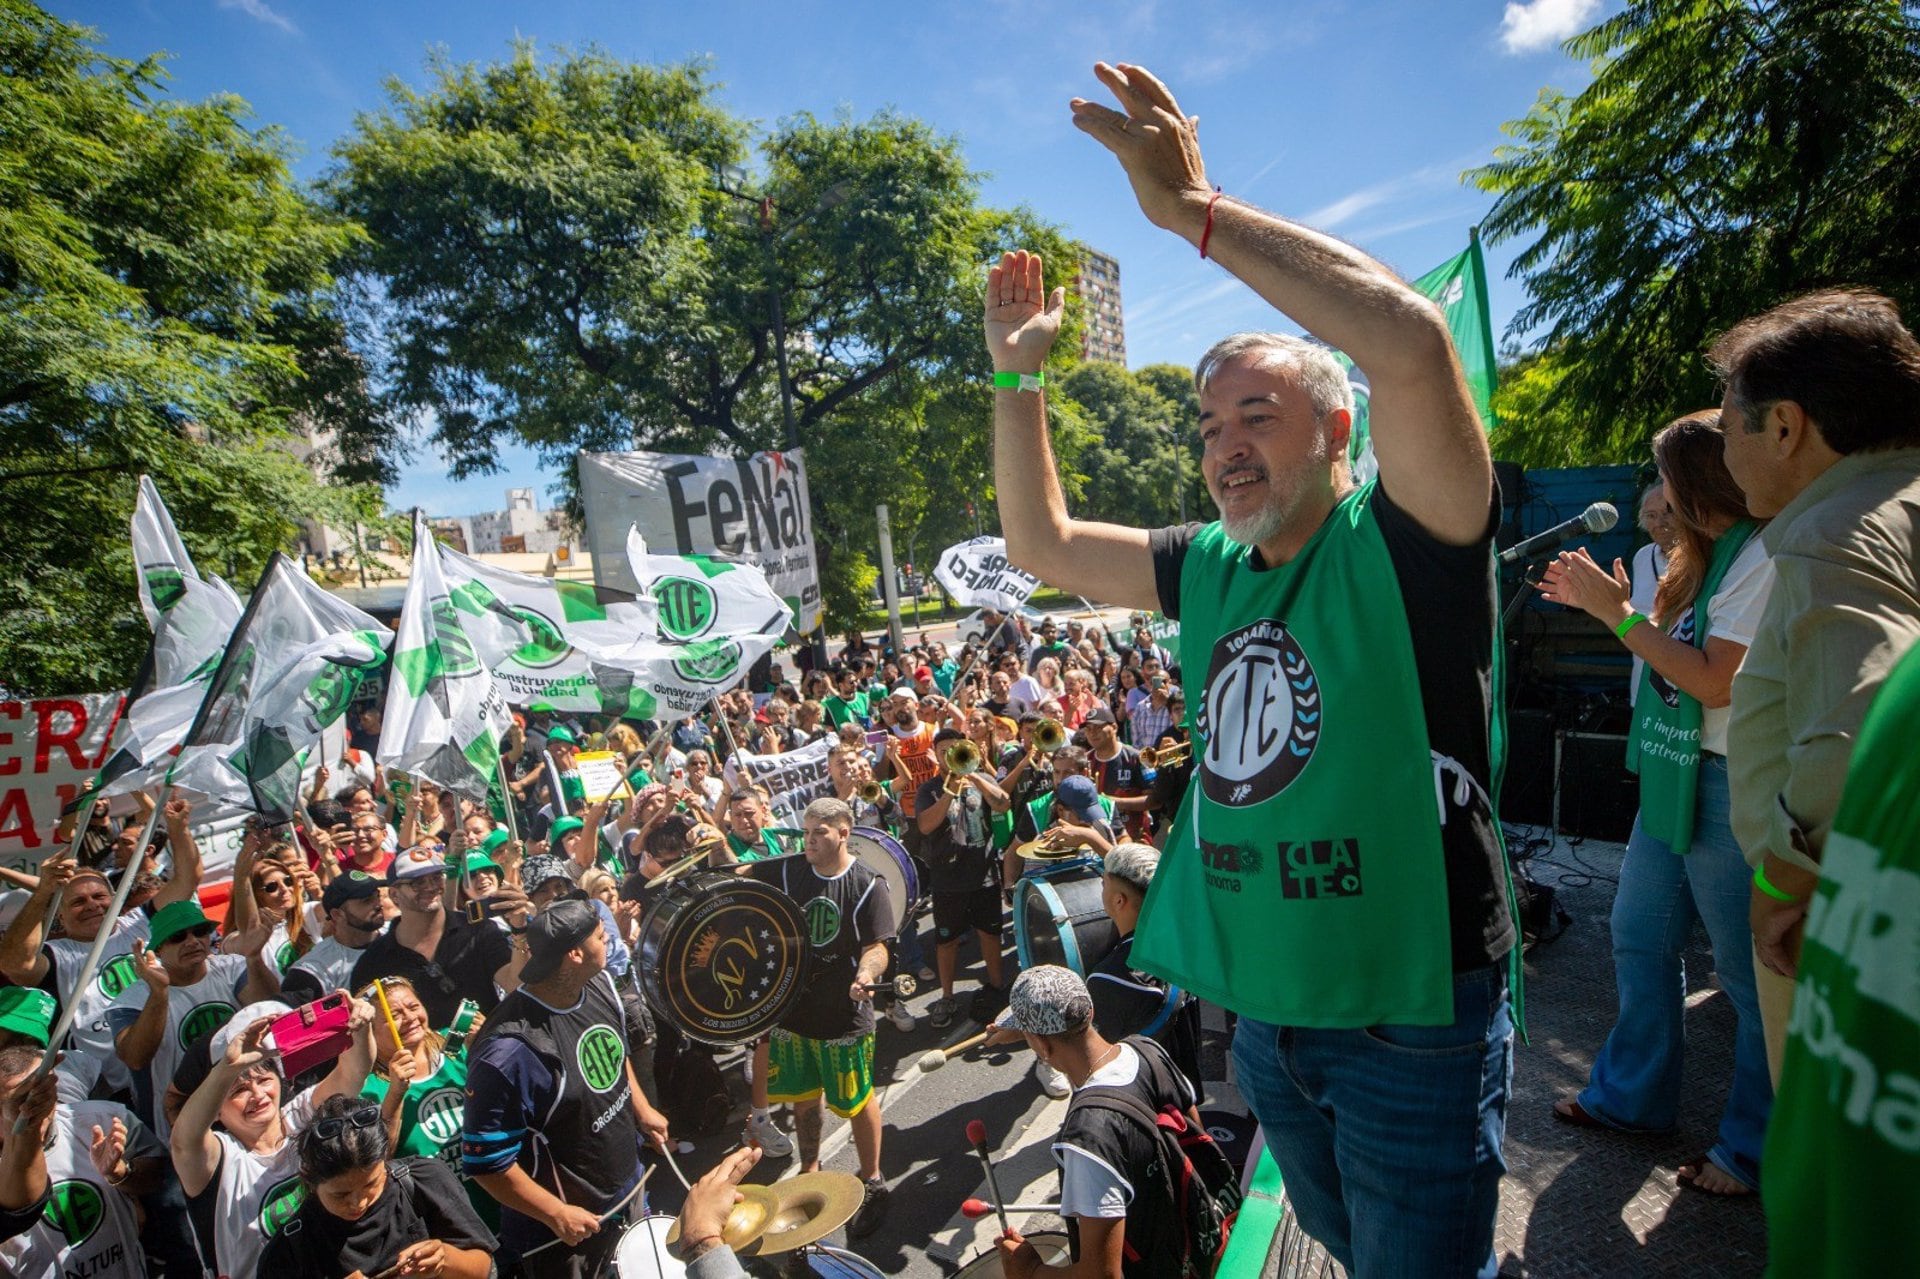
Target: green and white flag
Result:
[[291, 711], [529, 631], [192, 618], [288, 620], [1459, 287], [444, 715]]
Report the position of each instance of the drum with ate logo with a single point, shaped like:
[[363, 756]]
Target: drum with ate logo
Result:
[[722, 957]]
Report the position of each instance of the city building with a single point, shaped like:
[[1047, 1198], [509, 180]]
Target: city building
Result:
[[1104, 336], [520, 529]]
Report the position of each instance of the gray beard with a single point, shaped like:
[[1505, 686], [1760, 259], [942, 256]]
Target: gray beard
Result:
[[1259, 527]]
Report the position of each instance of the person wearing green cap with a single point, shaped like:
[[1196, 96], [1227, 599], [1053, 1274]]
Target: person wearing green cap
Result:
[[28, 957], [185, 987]]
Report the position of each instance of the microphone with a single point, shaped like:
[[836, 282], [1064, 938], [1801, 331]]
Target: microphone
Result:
[[1597, 518]]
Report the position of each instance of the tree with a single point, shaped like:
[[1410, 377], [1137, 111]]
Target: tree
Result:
[[560, 257], [1142, 456], [164, 308], [1727, 155]]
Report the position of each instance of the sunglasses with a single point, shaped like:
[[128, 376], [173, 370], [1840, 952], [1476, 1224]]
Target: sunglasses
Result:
[[275, 886], [202, 931], [333, 1126]]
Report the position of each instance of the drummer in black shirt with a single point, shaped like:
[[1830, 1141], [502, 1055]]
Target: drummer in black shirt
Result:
[[1127, 1001], [823, 1049]]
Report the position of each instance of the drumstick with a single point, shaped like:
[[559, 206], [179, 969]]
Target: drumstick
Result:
[[605, 1217], [974, 1209], [380, 993], [934, 1058], [977, 1135]]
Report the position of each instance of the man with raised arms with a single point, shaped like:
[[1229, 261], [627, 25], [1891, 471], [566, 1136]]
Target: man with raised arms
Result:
[[1317, 880]]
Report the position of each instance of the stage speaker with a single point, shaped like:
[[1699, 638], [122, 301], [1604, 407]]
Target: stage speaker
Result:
[[1594, 796], [1526, 792]]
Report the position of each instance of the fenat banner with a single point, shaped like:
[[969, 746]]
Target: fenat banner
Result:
[[754, 508], [977, 573]]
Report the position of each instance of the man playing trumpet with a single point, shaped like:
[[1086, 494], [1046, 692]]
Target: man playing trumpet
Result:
[[954, 812]]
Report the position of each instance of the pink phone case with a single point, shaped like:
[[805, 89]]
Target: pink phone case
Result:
[[312, 1034]]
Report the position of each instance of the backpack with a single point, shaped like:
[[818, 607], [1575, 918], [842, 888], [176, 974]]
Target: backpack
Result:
[[1199, 1180]]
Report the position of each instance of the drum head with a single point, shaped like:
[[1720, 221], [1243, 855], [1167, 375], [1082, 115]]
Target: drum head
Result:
[[887, 857], [643, 1253], [838, 1263], [722, 957], [1052, 1246]]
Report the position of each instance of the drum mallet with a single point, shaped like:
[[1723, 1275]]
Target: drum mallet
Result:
[[905, 985], [977, 1135], [934, 1058], [974, 1209]]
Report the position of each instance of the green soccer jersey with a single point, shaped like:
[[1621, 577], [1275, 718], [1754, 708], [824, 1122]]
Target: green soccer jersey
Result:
[[846, 710], [1843, 1148]]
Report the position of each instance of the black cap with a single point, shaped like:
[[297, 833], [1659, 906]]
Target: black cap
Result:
[[348, 886], [552, 933]]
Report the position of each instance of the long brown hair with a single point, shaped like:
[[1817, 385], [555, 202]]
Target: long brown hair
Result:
[[296, 920], [1692, 459]]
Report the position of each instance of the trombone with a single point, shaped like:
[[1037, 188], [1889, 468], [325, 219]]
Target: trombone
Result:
[[962, 759], [1049, 736], [1173, 757]]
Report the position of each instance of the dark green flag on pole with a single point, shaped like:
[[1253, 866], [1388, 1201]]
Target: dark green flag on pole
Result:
[[1459, 287]]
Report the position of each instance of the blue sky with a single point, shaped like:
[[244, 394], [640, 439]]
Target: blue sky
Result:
[[1356, 116]]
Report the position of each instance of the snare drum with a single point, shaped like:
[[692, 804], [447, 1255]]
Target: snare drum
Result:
[[887, 857], [1058, 918], [1052, 1245], [642, 1252], [722, 957], [838, 1263]]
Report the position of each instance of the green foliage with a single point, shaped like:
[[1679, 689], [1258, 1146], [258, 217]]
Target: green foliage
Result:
[[164, 308], [1141, 453], [557, 259], [1728, 154]]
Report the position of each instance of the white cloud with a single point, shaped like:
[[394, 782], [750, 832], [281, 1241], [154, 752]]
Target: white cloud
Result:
[[1540, 24], [1331, 216], [259, 11]]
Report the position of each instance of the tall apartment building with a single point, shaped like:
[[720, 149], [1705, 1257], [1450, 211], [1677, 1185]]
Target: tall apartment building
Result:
[[519, 528], [1105, 334]]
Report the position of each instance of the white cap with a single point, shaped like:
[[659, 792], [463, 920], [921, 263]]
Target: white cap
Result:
[[238, 1023]]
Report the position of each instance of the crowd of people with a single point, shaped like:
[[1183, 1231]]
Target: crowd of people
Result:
[[417, 1038]]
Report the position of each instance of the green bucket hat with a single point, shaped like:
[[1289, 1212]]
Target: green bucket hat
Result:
[[495, 841], [174, 919], [477, 862], [560, 733], [27, 1011], [562, 827]]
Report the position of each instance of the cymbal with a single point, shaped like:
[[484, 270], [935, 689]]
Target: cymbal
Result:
[[746, 1221], [807, 1208], [1047, 847]]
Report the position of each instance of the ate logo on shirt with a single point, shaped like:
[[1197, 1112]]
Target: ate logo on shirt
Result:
[[279, 1204], [75, 1209], [203, 1020], [823, 921], [116, 975], [441, 1114], [601, 1056], [1260, 716]]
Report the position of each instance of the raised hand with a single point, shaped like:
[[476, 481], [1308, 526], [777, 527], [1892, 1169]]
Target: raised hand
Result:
[[151, 970], [249, 941], [29, 1105], [178, 810], [1156, 144], [107, 1148], [1022, 318], [1575, 580]]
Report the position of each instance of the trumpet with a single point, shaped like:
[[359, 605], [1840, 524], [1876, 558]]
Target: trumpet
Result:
[[962, 759], [872, 791], [1173, 757], [1049, 735]]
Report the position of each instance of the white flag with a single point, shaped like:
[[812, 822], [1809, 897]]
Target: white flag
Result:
[[977, 572], [291, 710], [444, 716]]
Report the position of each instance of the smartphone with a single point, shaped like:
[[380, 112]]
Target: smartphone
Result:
[[484, 908], [311, 1034], [878, 737]]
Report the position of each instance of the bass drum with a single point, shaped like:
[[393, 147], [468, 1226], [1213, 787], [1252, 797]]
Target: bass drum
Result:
[[722, 957], [1052, 1246], [887, 857], [1058, 918], [643, 1253]]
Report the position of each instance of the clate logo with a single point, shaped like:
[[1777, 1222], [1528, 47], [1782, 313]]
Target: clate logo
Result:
[[601, 1057], [1320, 868], [279, 1204], [1261, 715], [823, 920], [204, 1020], [442, 1113], [687, 606], [75, 1209]]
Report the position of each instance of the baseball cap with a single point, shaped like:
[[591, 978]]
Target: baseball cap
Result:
[[173, 919], [1079, 796], [27, 1011], [906, 691], [238, 1023], [415, 863], [552, 933], [536, 871], [1100, 714], [1048, 1000], [1134, 863], [563, 826], [923, 672], [348, 886], [477, 862]]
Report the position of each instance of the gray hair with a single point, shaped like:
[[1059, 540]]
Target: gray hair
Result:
[[1312, 366], [1134, 863], [827, 809]]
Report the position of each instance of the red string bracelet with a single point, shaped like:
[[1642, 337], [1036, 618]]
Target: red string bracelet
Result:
[[1207, 232]]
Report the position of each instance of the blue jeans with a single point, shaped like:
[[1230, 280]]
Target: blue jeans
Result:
[[1636, 1078], [1388, 1138]]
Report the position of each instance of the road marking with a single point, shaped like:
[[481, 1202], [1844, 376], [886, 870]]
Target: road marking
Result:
[[1026, 1173]]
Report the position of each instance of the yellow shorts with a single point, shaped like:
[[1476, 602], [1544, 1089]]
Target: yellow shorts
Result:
[[800, 1069]]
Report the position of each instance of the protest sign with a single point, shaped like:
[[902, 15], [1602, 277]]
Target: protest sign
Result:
[[755, 509], [49, 746], [601, 774], [794, 779], [978, 573]]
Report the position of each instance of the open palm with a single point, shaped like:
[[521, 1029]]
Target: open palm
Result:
[[1022, 318]]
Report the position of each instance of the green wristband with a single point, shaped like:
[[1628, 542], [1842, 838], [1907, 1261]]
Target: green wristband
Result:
[[1765, 885], [1006, 380], [1628, 623]]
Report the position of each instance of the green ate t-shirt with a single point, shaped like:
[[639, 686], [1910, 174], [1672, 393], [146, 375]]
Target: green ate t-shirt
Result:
[[430, 1122], [842, 710]]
